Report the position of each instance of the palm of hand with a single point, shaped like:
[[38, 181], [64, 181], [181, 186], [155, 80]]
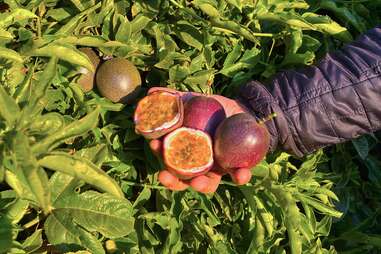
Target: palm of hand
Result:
[[208, 182]]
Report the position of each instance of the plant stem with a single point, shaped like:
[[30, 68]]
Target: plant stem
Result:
[[158, 187], [31, 223]]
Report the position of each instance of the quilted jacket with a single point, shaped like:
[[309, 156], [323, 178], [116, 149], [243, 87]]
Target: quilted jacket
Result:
[[336, 100]]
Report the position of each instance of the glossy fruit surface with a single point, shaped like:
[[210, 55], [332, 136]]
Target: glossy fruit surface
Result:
[[188, 152], [86, 80], [158, 114], [240, 142], [203, 113], [118, 80]]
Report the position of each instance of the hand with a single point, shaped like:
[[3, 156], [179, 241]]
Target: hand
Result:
[[207, 183]]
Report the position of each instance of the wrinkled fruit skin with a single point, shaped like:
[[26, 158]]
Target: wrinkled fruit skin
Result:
[[159, 133], [86, 80], [118, 80], [203, 113], [188, 173], [240, 142]]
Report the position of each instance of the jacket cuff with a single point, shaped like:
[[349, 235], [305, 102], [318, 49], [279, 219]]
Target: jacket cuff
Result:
[[259, 100]]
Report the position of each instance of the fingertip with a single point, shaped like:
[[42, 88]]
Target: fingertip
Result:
[[155, 146], [200, 183], [241, 176], [207, 183], [171, 182]]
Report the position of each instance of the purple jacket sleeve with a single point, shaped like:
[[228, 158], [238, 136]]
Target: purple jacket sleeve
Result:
[[336, 100]]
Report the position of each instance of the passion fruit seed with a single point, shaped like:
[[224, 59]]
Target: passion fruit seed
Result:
[[86, 80], [188, 152], [203, 113], [118, 80], [240, 142], [158, 114]]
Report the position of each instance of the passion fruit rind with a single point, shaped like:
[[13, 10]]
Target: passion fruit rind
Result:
[[152, 106], [188, 152], [203, 113], [240, 142]]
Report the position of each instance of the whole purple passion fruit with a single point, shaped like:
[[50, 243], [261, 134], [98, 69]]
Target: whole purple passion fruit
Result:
[[203, 113], [188, 152], [240, 142], [158, 114], [118, 80], [86, 80]]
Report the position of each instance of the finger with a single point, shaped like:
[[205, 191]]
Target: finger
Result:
[[171, 182], [241, 176], [207, 183], [156, 146], [161, 89]]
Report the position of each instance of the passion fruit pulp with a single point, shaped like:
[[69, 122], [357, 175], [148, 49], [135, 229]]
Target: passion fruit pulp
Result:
[[158, 114], [188, 152], [118, 80], [240, 142], [86, 80]]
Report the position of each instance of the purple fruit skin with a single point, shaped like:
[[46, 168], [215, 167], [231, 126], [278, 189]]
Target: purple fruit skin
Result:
[[203, 113], [240, 142]]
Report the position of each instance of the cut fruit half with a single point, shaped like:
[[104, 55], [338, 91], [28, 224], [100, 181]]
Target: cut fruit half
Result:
[[188, 152], [158, 114]]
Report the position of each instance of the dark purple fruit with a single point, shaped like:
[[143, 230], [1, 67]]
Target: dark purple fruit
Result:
[[86, 80], [203, 113], [118, 80], [240, 142]]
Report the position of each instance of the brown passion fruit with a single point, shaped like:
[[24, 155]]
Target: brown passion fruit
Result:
[[158, 114], [86, 80], [188, 152], [118, 80]]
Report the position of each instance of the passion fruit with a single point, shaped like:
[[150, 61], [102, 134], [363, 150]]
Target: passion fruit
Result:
[[118, 80], [188, 152], [158, 114], [86, 80], [240, 142], [203, 113]]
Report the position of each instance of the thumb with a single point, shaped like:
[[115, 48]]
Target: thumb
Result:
[[241, 176]]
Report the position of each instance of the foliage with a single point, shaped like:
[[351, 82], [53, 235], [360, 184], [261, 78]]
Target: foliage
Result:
[[74, 176]]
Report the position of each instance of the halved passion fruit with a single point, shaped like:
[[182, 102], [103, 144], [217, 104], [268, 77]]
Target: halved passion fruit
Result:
[[158, 114], [188, 152]]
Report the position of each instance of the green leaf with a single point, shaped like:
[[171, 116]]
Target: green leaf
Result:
[[16, 211], [82, 169], [37, 91], [139, 23], [318, 205], [189, 34], [5, 234], [33, 242], [11, 55], [327, 25], [9, 109], [207, 9], [47, 124], [34, 176], [16, 15], [64, 52], [72, 130], [71, 25], [104, 213], [362, 147], [67, 236], [18, 183]]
